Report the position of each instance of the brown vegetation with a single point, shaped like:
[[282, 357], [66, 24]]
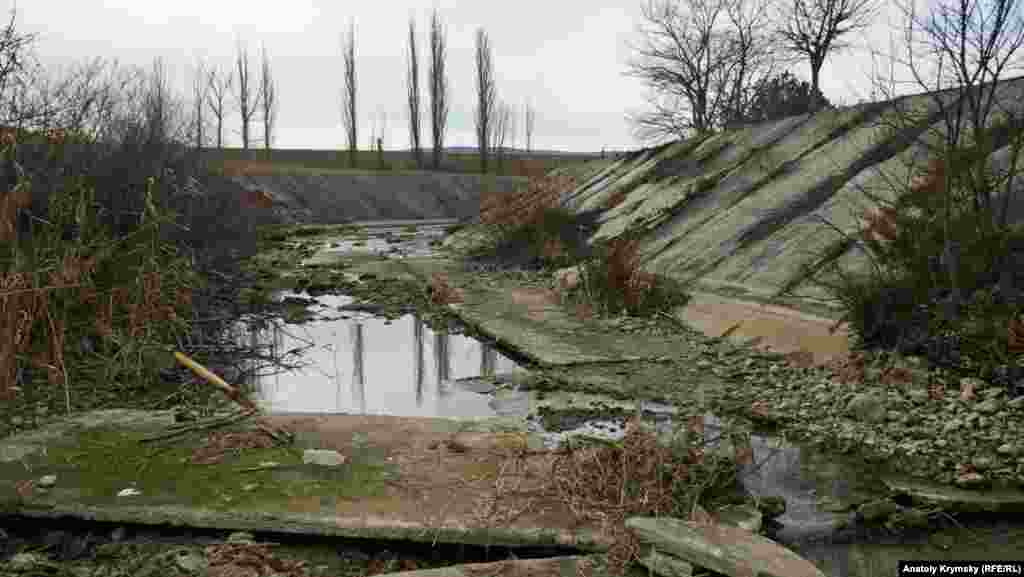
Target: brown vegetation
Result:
[[616, 198], [18, 199], [525, 206], [443, 293]]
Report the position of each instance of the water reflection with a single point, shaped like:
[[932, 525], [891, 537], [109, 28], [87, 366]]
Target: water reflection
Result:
[[361, 364]]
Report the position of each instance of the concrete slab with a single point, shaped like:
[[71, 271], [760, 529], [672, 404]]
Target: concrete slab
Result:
[[549, 567], [531, 321], [428, 480]]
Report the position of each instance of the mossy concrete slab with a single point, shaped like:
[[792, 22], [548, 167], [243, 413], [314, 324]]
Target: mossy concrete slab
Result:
[[531, 321], [403, 478], [568, 566], [960, 500]]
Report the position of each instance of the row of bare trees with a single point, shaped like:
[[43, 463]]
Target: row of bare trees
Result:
[[214, 91], [704, 59], [494, 119]]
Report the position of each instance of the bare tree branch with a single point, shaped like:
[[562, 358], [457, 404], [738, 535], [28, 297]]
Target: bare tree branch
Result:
[[348, 97], [268, 100], [413, 80], [438, 87], [815, 28], [698, 59], [485, 94], [200, 88], [529, 118], [219, 87], [247, 101]]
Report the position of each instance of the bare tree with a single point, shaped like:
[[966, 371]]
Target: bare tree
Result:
[[219, 87], [690, 60], [200, 87], [500, 130], [268, 100], [813, 29], [247, 100], [15, 62], [512, 121], [529, 118], [413, 79], [162, 109], [438, 87], [485, 94], [754, 54], [348, 97]]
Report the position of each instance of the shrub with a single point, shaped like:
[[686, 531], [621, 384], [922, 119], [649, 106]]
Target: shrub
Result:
[[903, 304], [612, 281]]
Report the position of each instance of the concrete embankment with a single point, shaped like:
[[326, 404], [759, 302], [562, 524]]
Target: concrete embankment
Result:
[[340, 196], [740, 212]]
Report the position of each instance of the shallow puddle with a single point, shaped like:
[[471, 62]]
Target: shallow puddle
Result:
[[391, 238], [352, 362]]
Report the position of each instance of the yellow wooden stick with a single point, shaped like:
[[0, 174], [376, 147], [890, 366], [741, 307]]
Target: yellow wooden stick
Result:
[[213, 379]]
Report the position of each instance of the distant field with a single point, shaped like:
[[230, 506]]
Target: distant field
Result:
[[252, 161]]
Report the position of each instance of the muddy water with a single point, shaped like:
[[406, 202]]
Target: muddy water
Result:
[[393, 238]]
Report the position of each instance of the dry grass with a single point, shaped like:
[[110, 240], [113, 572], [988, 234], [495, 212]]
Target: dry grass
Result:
[[525, 206], [608, 483], [441, 292], [10, 203], [130, 295], [615, 282], [616, 198]]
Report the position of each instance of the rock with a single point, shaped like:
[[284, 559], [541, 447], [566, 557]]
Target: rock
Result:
[[1007, 449], [908, 519], [877, 511], [241, 537], [323, 457], [970, 480], [720, 548], [568, 278], [867, 407], [24, 562], [988, 406], [742, 516], [191, 563], [666, 565], [47, 480], [982, 463]]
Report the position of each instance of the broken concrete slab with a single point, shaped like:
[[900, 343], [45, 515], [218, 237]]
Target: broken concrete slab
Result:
[[959, 500], [720, 548], [548, 567], [666, 565], [402, 479], [532, 321]]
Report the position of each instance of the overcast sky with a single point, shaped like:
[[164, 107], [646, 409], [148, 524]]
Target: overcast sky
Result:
[[567, 57]]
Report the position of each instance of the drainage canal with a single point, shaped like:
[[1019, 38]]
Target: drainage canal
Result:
[[354, 362]]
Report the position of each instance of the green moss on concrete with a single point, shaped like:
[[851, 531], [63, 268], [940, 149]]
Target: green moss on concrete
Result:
[[94, 465]]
